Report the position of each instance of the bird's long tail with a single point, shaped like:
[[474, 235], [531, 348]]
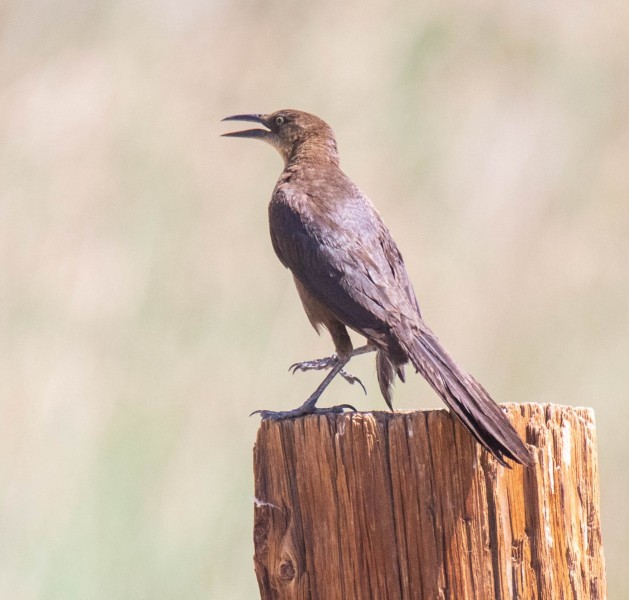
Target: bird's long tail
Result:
[[467, 398]]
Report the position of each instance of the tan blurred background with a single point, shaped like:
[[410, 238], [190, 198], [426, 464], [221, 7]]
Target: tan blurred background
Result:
[[143, 314]]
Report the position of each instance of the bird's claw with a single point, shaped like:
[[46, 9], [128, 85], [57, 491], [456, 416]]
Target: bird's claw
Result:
[[279, 415], [352, 379], [319, 364]]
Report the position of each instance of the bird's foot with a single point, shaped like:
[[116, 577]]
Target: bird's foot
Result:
[[301, 411], [328, 362], [318, 364]]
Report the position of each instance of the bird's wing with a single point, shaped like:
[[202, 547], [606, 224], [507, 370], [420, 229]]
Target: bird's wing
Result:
[[347, 261]]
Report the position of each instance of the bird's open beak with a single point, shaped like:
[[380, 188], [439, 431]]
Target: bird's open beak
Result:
[[261, 134]]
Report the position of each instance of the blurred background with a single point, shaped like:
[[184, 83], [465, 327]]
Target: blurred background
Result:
[[144, 315]]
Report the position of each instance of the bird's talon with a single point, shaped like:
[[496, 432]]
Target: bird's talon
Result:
[[352, 379]]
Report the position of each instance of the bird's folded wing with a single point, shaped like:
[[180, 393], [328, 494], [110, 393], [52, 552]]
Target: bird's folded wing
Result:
[[357, 273]]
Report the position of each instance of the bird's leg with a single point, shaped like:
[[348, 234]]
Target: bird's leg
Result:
[[309, 406], [363, 350], [329, 361]]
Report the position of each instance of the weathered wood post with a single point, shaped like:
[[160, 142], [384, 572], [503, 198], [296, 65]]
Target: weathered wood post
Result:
[[407, 506]]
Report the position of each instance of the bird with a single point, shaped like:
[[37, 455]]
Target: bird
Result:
[[349, 273]]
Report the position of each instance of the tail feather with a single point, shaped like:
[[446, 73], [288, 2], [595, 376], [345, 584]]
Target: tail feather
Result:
[[386, 377], [387, 371], [467, 398]]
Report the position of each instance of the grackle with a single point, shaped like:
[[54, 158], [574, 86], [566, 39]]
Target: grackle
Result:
[[349, 273]]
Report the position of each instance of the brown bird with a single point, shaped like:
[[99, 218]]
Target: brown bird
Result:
[[349, 273]]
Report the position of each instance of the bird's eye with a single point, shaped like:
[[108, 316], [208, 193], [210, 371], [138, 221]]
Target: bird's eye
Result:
[[280, 120]]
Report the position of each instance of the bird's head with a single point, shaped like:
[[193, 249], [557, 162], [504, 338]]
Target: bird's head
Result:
[[294, 133]]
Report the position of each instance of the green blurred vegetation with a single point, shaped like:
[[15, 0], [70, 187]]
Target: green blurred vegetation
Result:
[[143, 315]]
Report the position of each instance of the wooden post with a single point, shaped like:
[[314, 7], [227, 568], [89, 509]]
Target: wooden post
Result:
[[406, 506]]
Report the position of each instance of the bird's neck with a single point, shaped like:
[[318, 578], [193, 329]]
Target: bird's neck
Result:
[[319, 150]]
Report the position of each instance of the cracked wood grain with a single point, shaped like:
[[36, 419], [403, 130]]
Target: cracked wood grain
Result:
[[389, 506]]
